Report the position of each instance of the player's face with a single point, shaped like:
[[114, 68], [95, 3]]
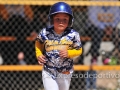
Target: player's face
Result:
[[60, 22]]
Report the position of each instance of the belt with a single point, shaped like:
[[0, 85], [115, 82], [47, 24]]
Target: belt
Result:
[[65, 72]]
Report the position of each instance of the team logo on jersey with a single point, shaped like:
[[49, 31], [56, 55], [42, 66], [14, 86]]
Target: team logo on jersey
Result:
[[57, 45]]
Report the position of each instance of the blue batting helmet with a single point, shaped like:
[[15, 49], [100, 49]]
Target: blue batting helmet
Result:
[[61, 7]]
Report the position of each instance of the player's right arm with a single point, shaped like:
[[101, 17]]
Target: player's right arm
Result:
[[38, 51]]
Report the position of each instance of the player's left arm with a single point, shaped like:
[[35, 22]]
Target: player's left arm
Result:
[[77, 47], [72, 53]]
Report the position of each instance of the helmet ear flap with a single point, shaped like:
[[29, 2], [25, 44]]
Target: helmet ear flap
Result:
[[51, 19], [70, 22]]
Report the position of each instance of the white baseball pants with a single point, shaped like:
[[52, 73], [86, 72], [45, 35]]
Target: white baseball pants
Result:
[[62, 82]]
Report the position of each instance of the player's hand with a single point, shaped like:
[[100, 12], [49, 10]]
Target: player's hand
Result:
[[41, 59], [63, 53]]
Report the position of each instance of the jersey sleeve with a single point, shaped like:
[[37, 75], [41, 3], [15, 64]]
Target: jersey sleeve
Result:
[[76, 41], [39, 43], [41, 36], [77, 47], [38, 48]]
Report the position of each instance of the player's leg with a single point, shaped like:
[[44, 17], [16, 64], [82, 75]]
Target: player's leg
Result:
[[64, 81], [48, 82]]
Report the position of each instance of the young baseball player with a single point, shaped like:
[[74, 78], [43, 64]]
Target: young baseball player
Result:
[[56, 46]]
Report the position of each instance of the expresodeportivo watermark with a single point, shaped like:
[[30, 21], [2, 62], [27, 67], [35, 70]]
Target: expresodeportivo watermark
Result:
[[108, 75]]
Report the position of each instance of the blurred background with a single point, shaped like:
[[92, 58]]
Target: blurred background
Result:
[[98, 23]]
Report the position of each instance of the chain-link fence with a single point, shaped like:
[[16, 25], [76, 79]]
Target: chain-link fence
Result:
[[97, 23], [103, 78]]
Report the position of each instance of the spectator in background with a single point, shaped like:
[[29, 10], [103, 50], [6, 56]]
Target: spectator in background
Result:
[[90, 79], [3, 13], [18, 25], [102, 20], [116, 41], [21, 58]]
